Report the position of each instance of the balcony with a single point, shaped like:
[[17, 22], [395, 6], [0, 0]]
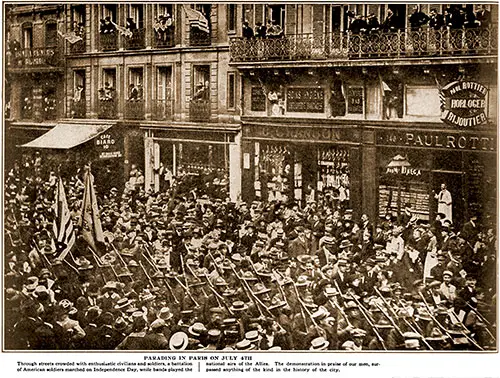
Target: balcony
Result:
[[136, 41], [344, 46], [199, 38], [164, 38], [108, 41], [107, 108], [78, 109], [134, 109], [27, 58], [78, 47], [199, 111], [162, 110]]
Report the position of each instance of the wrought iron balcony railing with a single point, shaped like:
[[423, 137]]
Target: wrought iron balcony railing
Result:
[[78, 109], [164, 38], [162, 110], [107, 108], [108, 41], [25, 58], [78, 47], [346, 45], [199, 38], [134, 109], [199, 111], [136, 41]]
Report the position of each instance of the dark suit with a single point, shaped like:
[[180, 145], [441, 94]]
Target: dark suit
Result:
[[299, 247]]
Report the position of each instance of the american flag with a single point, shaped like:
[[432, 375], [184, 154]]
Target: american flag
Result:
[[197, 19], [64, 233], [71, 37]]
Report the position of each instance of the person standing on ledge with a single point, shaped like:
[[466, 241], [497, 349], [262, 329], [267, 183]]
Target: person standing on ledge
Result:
[[444, 202]]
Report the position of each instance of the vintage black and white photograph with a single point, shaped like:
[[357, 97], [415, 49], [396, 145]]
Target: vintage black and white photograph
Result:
[[250, 177]]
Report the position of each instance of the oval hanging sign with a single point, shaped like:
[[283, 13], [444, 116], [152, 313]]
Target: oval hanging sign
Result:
[[463, 103]]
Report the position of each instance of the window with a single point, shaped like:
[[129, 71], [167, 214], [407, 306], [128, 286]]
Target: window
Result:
[[109, 76], [201, 82], [51, 34], [27, 36], [276, 14], [231, 90], [164, 89], [421, 101], [165, 10], [109, 10], [135, 84], [231, 17], [135, 17], [78, 15]]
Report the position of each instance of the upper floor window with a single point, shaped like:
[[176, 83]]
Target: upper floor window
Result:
[[200, 25], [78, 19], [275, 20], [231, 17], [135, 17], [164, 26], [51, 34], [27, 40], [135, 86]]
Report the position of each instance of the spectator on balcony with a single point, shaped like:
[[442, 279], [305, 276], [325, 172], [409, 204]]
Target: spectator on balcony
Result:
[[130, 24], [201, 92], [107, 93], [436, 23], [260, 30], [470, 20], [107, 27], [484, 17], [373, 24], [247, 31], [133, 93], [418, 19], [274, 30], [358, 25], [391, 22]]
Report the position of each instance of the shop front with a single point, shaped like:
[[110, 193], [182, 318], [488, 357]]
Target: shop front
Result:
[[292, 163], [206, 160], [413, 165]]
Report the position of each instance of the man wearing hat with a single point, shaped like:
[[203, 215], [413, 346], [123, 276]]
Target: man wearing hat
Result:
[[300, 245], [446, 289], [155, 338], [135, 340]]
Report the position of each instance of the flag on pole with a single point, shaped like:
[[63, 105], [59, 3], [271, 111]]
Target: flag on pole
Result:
[[196, 19], [90, 222], [71, 37], [123, 31], [64, 234]]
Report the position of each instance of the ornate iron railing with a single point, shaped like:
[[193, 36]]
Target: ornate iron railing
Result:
[[44, 57], [162, 110], [136, 41], [164, 38], [199, 38], [134, 109], [79, 109], [346, 45], [108, 41], [78, 47], [107, 109], [199, 111]]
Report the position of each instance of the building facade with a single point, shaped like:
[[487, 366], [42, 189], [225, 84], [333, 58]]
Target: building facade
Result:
[[363, 105], [372, 106], [155, 72]]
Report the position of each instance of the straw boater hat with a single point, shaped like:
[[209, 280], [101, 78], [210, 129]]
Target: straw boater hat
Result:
[[196, 329], [178, 341], [165, 314], [319, 343], [239, 306]]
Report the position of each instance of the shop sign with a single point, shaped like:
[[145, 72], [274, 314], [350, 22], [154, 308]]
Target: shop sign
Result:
[[108, 146], [464, 103], [399, 165], [258, 100], [297, 133], [305, 100], [428, 139]]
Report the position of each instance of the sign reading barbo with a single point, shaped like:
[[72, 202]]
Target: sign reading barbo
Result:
[[463, 103]]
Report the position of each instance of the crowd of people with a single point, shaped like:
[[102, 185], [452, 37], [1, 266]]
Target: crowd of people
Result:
[[180, 270]]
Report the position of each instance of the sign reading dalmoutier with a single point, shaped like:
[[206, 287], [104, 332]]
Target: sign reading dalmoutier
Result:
[[463, 103]]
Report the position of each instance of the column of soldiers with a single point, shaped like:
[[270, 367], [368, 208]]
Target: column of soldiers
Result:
[[182, 271]]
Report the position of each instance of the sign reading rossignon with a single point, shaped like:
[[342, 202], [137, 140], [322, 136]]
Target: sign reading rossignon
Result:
[[463, 103]]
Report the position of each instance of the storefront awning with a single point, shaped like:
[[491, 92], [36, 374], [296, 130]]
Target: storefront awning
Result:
[[66, 136]]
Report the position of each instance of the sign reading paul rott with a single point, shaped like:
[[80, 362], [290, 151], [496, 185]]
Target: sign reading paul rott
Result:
[[463, 103]]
